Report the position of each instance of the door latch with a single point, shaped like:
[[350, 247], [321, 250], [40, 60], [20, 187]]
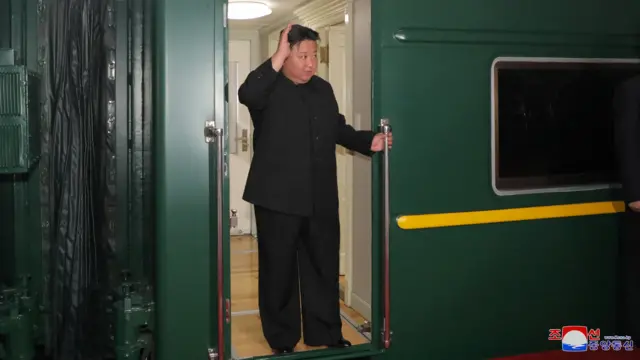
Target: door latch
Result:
[[213, 354], [233, 220]]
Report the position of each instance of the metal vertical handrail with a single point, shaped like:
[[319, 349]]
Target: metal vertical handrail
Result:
[[219, 139], [385, 128]]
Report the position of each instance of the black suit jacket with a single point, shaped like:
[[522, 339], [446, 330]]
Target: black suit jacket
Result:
[[627, 133], [296, 129]]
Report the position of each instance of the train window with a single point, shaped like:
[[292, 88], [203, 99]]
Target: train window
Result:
[[552, 126]]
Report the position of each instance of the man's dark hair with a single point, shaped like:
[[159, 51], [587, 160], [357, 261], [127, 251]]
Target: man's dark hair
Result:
[[299, 33]]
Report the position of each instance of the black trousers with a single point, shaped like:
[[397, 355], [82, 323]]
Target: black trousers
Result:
[[629, 308], [299, 256]]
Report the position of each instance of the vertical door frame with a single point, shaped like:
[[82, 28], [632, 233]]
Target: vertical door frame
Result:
[[221, 70]]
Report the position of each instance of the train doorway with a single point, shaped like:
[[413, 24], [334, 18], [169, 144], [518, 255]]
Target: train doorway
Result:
[[432, 73], [343, 28]]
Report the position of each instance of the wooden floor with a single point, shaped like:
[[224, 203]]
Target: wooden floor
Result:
[[246, 333]]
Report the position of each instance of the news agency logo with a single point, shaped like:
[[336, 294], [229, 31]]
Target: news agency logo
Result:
[[574, 338], [577, 338]]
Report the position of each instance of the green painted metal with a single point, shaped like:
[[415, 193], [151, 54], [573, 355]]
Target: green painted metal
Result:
[[20, 246], [18, 309], [484, 291], [20, 242], [17, 23], [144, 148], [133, 137], [7, 224], [19, 194], [7, 56], [187, 69], [19, 119], [134, 309], [22, 265], [31, 221], [5, 23], [122, 95], [32, 10], [140, 136], [23, 30], [135, 312], [132, 24]]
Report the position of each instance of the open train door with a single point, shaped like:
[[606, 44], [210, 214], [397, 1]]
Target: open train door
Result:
[[192, 182]]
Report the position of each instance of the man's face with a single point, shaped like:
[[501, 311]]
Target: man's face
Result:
[[302, 62]]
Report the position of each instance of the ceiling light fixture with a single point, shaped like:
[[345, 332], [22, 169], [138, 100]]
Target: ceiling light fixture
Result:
[[245, 10]]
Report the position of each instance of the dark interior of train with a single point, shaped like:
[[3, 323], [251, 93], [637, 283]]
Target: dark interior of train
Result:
[[75, 175]]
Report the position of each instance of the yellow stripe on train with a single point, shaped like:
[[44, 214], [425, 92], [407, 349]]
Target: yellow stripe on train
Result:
[[426, 221]]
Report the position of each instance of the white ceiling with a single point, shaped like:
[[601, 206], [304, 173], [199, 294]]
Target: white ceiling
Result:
[[281, 9]]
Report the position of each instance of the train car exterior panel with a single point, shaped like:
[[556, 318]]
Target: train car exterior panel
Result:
[[485, 290]]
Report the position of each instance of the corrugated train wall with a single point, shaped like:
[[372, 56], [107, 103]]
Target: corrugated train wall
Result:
[[81, 222]]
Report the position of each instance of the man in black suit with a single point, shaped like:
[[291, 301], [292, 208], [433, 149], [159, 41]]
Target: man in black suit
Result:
[[627, 133], [292, 183]]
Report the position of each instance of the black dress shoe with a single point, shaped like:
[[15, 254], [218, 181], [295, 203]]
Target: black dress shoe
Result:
[[285, 350], [342, 343]]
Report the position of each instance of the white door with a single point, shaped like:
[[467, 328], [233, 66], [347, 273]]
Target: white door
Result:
[[359, 277], [338, 79], [240, 150]]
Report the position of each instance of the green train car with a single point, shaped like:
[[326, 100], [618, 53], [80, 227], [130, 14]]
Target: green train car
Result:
[[479, 247]]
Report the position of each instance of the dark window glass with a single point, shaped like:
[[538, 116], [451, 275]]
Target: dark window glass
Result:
[[553, 123]]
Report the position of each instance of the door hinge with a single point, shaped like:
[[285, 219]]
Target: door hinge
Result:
[[209, 131], [213, 354], [233, 220], [386, 343], [225, 15]]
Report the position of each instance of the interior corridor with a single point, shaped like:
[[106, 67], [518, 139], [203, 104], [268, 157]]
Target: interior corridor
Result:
[[246, 332]]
